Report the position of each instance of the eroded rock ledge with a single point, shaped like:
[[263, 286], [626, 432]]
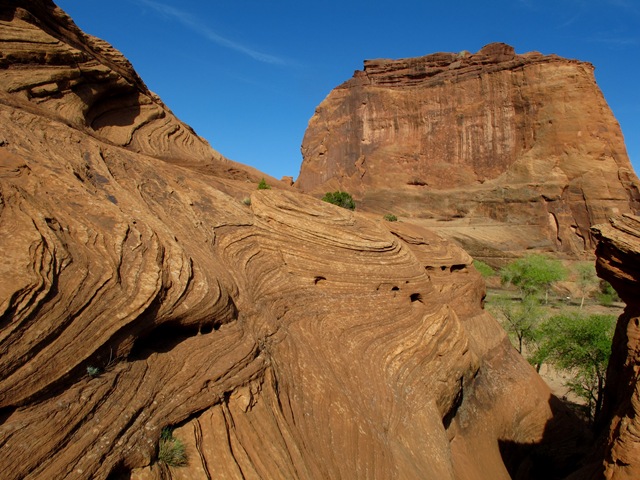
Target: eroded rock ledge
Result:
[[439, 68]]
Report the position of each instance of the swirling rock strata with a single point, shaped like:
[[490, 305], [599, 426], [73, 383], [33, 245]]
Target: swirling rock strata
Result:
[[49, 65], [285, 338], [476, 144]]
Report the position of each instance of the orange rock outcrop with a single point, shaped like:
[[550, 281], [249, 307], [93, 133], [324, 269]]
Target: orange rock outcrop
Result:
[[281, 336], [475, 145], [619, 262]]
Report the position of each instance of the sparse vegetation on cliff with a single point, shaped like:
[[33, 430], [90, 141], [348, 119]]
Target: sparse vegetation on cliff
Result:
[[342, 199], [171, 450]]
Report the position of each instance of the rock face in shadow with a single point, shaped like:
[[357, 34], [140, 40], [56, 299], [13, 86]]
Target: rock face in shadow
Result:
[[618, 262], [285, 338], [475, 145]]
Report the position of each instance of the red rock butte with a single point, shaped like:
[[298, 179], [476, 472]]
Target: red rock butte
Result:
[[146, 283], [474, 145]]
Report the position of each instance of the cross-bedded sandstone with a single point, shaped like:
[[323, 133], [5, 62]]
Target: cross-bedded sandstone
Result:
[[287, 338]]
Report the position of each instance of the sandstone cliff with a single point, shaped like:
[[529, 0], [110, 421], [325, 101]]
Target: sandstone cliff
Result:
[[475, 145]]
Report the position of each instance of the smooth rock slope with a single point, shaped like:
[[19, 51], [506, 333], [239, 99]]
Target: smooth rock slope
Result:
[[499, 151]]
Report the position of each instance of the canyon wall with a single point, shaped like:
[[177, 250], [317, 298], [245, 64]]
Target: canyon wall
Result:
[[146, 283], [475, 145]]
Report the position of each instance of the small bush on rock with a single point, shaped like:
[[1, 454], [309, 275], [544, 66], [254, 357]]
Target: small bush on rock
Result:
[[171, 450], [390, 217], [342, 199], [263, 185]]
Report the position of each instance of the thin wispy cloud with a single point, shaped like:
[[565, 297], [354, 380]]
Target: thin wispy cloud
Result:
[[527, 4], [195, 25], [614, 41]]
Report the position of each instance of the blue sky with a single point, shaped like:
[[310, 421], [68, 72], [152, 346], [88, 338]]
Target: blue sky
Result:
[[247, 75]]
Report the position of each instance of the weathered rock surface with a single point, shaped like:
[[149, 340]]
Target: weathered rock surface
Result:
[[619, 262], [475, 145], [49, 66], [287, 338]]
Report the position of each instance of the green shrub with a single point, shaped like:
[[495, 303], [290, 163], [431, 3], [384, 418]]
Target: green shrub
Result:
[[606, 294], [390, 217], [171, 450], [93, 371], [263, 185], [484, 269], [342, 199], [246, 201]]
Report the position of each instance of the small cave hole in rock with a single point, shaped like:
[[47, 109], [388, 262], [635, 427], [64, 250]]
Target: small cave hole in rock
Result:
[[416, 297], [5, 413], [165, 337], [120, 472], [318, 279], [443, 268], [458, 268], [204, 329], [395, 289]]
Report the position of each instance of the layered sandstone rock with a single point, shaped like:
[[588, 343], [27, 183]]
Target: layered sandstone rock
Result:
[[619, 262], [475, 145], [49, 66], [287, 338]]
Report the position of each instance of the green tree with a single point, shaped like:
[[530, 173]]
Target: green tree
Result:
[[520, 318], [581, 345], [533, 274], [342, 199], [263, 185], [586, 279]]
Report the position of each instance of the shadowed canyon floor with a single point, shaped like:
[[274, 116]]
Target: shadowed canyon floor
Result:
[[283, 337]]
